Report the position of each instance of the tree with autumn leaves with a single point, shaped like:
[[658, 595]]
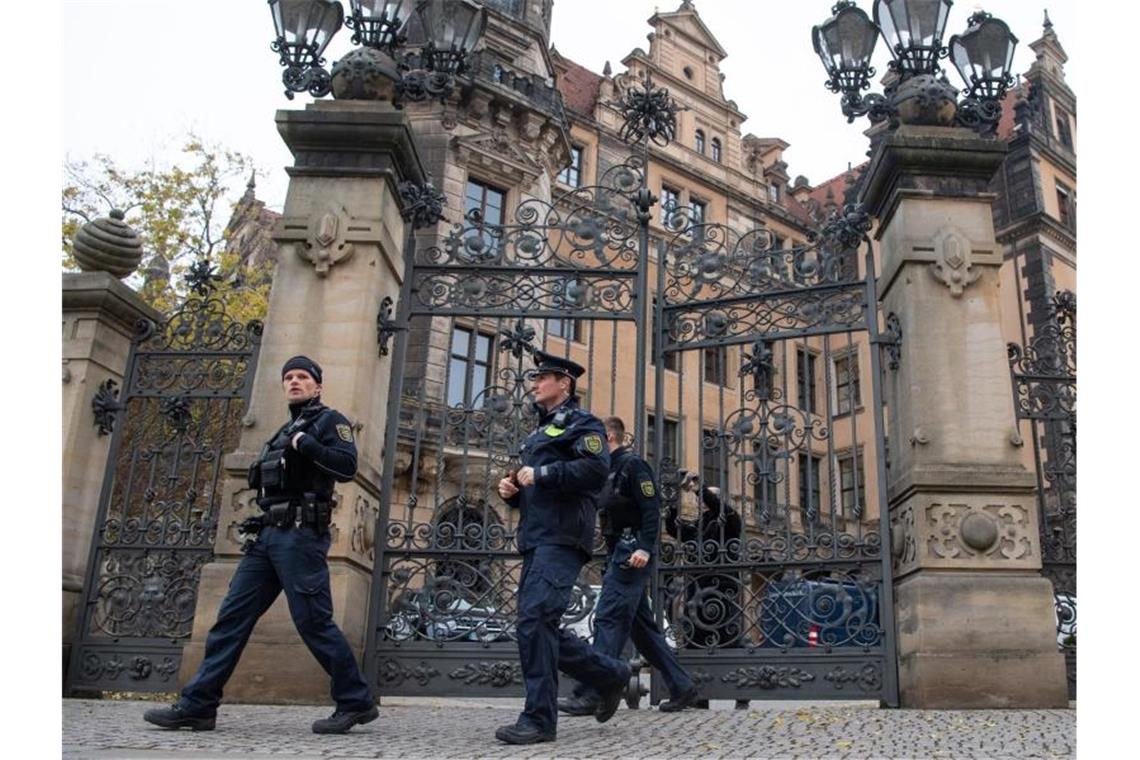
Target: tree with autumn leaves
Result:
[[180, 213]]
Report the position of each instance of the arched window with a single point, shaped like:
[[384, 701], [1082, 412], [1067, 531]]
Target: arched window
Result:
[[700, 141], [716, 149]]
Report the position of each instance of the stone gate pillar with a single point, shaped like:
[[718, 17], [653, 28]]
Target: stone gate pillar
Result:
[[974, 616], [341, 242]]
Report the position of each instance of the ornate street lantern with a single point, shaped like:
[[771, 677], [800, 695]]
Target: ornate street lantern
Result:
[[983, 55], [377, 24], [845, 43], [304, 29], [452, 28], [913, 30]]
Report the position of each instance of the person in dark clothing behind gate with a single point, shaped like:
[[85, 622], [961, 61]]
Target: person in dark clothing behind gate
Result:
[[630, 511], [294, 477], [713, 537], [565, 463]]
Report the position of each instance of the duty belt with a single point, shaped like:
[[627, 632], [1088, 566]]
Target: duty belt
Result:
[[295, 513]]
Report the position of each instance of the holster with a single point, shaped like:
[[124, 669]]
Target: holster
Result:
[[282, 515], [318, 514]]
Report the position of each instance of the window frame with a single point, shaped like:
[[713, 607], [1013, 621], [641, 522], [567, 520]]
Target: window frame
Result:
[[856, 402], [675, 442], [717, 150], [812, 356], [858, 476], [574, 170], [700, 142], [470, 357]]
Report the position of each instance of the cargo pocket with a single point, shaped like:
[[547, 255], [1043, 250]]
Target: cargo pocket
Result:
[[556, 589], [313, 599]]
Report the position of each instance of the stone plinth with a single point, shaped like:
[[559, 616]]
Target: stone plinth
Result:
[[341, 242], [975, 619], [99, 318]]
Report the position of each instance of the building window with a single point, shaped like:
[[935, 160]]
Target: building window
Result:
[[670, 356], [851, 485], [715, 360], [697, 211], [805, 380], [572, 174], [1065, 206], [1064, 132], [847, 396], [810, 492], [716, 149], [569, 329], [774, 193], [671, 443], [700, 142], [469, 367], [710, 458], [670, 201], [488, 202]]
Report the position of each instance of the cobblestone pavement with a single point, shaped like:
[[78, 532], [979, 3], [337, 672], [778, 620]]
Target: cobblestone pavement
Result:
[[436, 728]]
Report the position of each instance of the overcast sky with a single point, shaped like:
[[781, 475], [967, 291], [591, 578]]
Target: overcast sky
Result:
[[140, 73]]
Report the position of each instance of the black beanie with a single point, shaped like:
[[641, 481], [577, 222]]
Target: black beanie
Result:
[[305, 363]]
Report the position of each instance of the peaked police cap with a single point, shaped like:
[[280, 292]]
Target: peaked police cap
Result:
[[544, 362]]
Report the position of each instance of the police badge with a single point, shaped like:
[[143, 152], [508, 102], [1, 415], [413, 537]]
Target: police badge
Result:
[[345, 432], [593, 443], [647, 489]]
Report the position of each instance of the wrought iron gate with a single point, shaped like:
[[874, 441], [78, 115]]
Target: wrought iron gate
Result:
[[186, 385], [1045, 394], [797, 601]]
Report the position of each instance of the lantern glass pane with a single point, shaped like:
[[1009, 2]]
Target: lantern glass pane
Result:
[[326, 18]]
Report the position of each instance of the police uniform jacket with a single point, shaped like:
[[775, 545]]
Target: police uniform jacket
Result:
[[568, 453], [630, 500], [325, 454]]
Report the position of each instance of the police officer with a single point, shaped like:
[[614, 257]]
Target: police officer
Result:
[[294, 476], [564, 463], [630, 509]]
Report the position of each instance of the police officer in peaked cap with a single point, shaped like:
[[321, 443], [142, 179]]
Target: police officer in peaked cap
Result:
[[294, 477], [564, 463]]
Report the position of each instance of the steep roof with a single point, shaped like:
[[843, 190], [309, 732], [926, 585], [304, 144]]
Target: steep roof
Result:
[[579, 87]]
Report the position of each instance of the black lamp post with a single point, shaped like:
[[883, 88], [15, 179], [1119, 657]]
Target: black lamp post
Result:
[[913, 30], [304, 29]]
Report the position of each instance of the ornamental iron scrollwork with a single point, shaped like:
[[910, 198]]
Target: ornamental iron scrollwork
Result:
[[768, 677], [386, 327], [421, 205], [648, 113], [890, 340], [867, 678], [497, 674], [179, 412]]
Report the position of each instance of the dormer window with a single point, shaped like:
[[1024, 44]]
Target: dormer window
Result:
[[774, 192], [700, 142]]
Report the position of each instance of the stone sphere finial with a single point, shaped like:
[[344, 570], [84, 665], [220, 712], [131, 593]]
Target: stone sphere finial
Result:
[[107, 245], [364, 74]]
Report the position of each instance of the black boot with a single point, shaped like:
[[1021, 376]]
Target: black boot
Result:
[[175, 717], [676, 704], [521, 734], [611, 697], [576, 706], [339, 722]]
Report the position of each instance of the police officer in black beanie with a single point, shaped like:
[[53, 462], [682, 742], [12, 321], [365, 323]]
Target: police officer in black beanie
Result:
[[294, 477]]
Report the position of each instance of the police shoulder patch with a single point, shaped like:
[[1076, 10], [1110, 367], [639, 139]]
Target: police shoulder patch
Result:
[[647, 488], [345, 432], [593, 443]]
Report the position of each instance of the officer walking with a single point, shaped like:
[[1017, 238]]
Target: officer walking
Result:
[[630, 510], [294, 475], [565, 462]]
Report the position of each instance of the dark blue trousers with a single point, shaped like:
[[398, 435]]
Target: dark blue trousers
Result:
[[292, 560], [548, 576], [623, 613]]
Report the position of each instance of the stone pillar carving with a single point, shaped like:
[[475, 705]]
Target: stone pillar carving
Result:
[[975, 618], [342, 241], [99, 318]]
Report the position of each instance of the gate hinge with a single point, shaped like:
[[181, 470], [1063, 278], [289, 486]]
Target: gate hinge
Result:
[[386, 327], [891, 340]]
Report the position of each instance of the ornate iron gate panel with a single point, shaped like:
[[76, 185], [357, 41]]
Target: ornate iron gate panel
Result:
[[1045, 394], [186, 386], [773, 576], [566, 277], [797, 603]]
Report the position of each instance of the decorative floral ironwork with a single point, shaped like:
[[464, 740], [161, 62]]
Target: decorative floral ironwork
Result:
[[648, 113], [518, 341], [868, 678], [422, 205], [105, 406], [768, 677], [394, 672], [497, 674], [202, 277], [891, 340]]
